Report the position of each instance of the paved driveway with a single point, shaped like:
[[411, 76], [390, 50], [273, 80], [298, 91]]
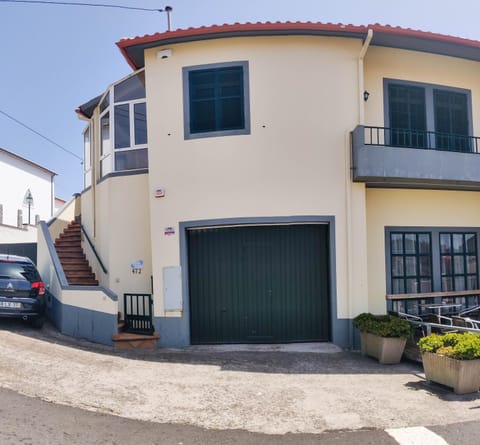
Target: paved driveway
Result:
[[263, 391]]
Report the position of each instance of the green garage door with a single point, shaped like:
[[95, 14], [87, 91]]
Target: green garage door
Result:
[[257, 284]]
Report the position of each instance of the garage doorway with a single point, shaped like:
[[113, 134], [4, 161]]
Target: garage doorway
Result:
[[259, 284]]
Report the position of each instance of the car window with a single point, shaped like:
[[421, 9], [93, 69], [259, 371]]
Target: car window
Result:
[[18, 271]]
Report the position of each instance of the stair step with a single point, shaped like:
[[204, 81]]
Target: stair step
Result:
[[72, 237], [82, 282], [74, 262], [84, 267], [125, 340]]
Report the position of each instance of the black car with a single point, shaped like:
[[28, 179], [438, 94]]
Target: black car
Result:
[[22, 292]]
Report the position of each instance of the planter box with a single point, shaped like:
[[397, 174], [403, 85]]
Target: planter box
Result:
[[388, 350], [461, 375]]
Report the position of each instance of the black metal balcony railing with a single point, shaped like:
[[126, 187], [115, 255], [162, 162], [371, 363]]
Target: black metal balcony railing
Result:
[[426, 140]]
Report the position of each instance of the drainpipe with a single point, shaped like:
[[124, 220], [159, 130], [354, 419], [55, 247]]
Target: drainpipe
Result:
[[363, 51], [348, 181]]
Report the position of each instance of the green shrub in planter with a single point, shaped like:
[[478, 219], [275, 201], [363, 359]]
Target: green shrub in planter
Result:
[[460, 346], [383, 325]]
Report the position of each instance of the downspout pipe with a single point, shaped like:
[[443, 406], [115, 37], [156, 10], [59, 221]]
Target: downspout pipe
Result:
[[348, 182], [361, 86]]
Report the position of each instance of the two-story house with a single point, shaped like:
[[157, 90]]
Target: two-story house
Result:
[[267, 182]]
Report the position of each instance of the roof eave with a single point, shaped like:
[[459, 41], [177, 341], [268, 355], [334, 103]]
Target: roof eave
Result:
[[389, 36]]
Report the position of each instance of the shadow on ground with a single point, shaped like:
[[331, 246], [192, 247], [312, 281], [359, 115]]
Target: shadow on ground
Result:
[[344, 362]]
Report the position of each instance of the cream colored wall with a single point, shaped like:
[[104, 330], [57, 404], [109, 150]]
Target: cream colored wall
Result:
[[416, 66], [429, 208], [64, 217], [303, 104], [122, 234]]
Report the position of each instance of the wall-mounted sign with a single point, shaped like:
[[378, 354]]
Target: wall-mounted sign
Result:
[[137, 267], [169, 231], [159, 192]]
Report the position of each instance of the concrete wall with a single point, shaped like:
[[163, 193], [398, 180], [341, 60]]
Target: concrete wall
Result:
[[304, 102], [389, 63], [120, 232], [9, 234], [79, 311], [428, 208], [16, 176]]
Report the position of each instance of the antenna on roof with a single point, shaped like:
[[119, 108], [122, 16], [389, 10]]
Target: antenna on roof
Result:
[[168, 10]]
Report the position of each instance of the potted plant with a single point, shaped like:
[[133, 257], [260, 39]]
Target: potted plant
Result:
[[452, 360], [383, 336]]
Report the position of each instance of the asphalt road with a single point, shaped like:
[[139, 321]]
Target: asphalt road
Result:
[[31, 421]]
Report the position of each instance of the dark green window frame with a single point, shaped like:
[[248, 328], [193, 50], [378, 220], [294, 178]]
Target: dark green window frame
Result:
[[216, 100], [411, 262], [441, 120], [458, 261]]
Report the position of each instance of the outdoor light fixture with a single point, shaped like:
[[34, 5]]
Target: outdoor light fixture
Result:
[[366, 95]]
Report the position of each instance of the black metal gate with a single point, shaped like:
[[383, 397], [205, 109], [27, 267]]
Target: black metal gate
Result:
[[138, 313]]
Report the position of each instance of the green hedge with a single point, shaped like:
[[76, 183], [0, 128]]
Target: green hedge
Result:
[[383, 325], [461, 346]]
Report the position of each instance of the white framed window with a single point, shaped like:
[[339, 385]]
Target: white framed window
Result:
[[123, 126], [87, 158]]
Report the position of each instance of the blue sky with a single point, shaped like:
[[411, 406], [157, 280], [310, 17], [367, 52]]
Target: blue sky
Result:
[[54, 58]]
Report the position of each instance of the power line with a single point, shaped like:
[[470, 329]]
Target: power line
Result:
[[40, 134], [47, 2]]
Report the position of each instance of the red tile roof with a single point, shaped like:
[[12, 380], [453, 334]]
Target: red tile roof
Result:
[[383, 35]]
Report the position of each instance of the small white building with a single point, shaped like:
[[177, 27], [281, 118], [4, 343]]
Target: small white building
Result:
[[26, 196]]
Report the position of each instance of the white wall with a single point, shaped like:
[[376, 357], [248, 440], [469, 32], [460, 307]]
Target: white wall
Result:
[[16, 177]]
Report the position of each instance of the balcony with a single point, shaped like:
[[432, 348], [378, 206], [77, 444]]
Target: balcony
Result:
[[385, 157]]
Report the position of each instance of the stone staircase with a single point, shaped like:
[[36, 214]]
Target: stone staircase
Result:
[[74, 262], [128, 340]]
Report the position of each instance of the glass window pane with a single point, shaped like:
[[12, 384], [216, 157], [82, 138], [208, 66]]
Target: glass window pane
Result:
[[458, 265], [105, 166], [397, 266], [140, 124], [446, 265], [410, 265], [122, 126], [424, 243], [410, 243], [471, 243], [460, 283], [105, 103], [472, 282], [412, 286], [397, 286], [425, 266], [458, 243], [202, 116], [445, 243], [471, 264], [231, 114], [131, 159], [447, 284], [425, 285], [396, 242], [105, 131], [131, 88], [86, 149]]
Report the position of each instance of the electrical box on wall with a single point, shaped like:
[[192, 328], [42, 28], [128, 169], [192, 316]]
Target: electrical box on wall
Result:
[[172, 288], [164, 54]]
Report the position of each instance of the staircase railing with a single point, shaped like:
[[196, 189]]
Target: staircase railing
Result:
[[105, 271], [138, 313]]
